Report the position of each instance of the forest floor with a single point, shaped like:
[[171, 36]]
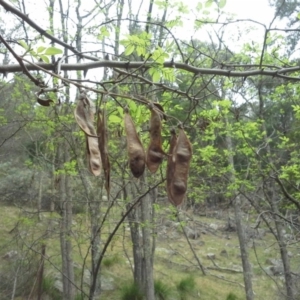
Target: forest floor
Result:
[[212, 239]]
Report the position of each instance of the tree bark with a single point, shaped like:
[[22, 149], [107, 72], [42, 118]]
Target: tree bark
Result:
[[65, 239], [141, 222], [272, 197], [247, 273], [147, 224], [40, 194], [133, 219]]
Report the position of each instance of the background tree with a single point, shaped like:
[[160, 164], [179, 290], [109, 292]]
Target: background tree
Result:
[[238, 106]]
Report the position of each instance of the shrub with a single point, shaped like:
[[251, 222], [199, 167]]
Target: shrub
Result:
[[49, 289], [162, 291], [112, 260], [131, 291], [231, 296], [186, 287]]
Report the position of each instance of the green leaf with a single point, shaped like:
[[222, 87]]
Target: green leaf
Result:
[[129, 49], [132, 107], [53, 51], [44, 58], [222, 3], [120, 111], [103, 33], [208, 3], [155, 74], [140, 51], [199, 6], [40, 49], [24, 45], [114, 119]]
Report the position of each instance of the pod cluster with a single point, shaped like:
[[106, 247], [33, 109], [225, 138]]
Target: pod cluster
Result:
[[96, 141], [178, 156]]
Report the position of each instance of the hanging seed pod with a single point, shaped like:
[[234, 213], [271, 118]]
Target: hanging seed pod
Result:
[[44, 102], [161, 109], [171, 164], [155, 153], [182, 155], [136, 152], [84, 116], [103, 147]]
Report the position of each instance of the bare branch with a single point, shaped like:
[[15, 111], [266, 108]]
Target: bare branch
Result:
[[280, 73], [42, 31]]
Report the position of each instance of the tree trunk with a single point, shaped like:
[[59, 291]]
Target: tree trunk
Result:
[[133, 218], [247, 273], [95, 242], [272, 197], [147, 222], [141, 222], [65, 232], [40, 194], [282, 246]]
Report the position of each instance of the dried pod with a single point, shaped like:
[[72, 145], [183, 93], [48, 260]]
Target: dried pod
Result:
[[93, 155], [136, 152], [103, 147], [182, 155], [155, 153], [84, 115], [161, 109], [44, 102], [171, 164]]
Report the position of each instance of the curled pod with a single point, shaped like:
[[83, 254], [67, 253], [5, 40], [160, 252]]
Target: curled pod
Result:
[[171, 165], [84, 116], [93, 155], [181, 157], [155, 153], [136, 152], [103, 147]]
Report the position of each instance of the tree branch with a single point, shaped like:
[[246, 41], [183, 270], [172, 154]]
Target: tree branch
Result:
[[4, 69], [42, 31]]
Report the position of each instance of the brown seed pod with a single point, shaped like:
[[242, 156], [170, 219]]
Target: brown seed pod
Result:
[[93, 155], [155, 153], [44, 102], [84, 115], [136, 152], [103, 147], [182, 155], [161, 109], [171, 165]]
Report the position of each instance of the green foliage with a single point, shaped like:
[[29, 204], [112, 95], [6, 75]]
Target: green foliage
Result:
[[104, 33], [186, 287], [49, 288], [69, 168], [231, 296], [162, 290], [131, 291], [41, 52], [112, 260], [79, 296], [15, 183], [3, 118], [139, 43]]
